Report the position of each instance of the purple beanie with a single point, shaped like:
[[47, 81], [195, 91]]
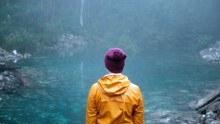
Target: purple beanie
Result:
[[115, 60]]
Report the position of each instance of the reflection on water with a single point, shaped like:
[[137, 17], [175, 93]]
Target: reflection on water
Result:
[[59, 88]]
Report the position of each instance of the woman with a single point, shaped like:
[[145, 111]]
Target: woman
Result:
[[114, 99]]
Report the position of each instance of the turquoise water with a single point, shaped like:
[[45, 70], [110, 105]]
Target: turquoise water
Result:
[[59, 86]]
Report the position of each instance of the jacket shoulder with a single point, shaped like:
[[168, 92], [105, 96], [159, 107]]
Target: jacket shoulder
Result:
[[94, 87], [135, 89], [132, 85]]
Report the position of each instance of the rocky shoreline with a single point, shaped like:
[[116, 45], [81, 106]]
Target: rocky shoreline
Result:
[[8, 82], [12, 56], [208, 108], [10, 77]]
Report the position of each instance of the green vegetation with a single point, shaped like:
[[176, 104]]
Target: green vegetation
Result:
[[134, 25]]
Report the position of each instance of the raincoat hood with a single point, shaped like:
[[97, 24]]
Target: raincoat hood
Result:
[[114, 84]]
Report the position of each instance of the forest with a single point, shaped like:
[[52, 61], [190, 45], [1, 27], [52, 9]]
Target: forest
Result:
[[51, 52], [135, 25]]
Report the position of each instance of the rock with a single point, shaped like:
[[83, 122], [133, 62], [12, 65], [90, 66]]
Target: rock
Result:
[[1, 77], [5, 73], [212, 53], [27, 55], [7, 79], [1, 63], [202, 104], [9, 82], [12, 56], [215, 122], [169, 117], [209, 117], [215, 107], [209, 107], [167, 121], [68, 45]]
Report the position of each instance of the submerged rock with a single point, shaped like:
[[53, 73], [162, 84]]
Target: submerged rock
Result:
[[8, 83], [1, 77], [212, 53], [11, 78], [169, 117]]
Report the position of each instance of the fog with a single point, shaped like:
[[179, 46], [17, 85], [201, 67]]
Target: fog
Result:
[[172, 47]]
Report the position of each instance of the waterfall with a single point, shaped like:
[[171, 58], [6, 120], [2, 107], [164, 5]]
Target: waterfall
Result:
[[81, 12]]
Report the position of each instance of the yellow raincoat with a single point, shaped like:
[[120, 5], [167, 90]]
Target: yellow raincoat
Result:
[[115, 100]]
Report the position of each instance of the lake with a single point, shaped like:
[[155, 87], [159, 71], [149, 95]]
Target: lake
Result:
[[59, 86]]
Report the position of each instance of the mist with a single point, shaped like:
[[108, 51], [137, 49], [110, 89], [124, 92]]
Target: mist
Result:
[[57, 46]]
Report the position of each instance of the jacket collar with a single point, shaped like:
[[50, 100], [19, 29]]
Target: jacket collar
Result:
[[109, 74]]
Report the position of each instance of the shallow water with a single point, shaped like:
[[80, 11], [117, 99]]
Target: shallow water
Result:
[[59, 87]]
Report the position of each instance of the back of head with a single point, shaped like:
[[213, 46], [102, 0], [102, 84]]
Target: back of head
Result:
[[115, 60]]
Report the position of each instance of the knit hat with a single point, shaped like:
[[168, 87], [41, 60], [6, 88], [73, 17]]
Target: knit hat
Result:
[[115, 60]]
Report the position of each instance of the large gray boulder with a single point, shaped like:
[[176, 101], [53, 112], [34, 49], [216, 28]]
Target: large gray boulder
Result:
[[212, 53], [202, 104]]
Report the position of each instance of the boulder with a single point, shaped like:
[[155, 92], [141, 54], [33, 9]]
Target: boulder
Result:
[[202, 104], [208, 107], [12, 56], [212, 53], [67, 45]]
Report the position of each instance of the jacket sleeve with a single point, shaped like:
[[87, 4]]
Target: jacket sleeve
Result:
[[139, 110], [91, 110]]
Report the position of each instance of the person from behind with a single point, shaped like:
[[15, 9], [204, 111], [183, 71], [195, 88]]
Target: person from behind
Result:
[[113, 99]]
